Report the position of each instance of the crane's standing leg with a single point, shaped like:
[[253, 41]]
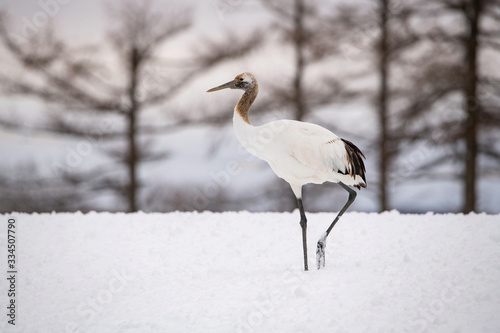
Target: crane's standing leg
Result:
[[303, 224], [320, 250]]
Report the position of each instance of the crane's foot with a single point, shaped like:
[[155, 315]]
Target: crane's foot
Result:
[[320, 252]]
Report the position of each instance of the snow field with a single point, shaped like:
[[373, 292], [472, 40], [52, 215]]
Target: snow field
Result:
[[242, 272]]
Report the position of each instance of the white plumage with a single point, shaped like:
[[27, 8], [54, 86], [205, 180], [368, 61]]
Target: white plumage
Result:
[[298, 152]]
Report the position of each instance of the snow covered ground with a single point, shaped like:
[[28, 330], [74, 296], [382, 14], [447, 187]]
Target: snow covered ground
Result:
[[242, 272]]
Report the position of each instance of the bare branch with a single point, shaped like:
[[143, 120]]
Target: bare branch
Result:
[[59, 126], [277, 8], [208, 55], [140, 26]]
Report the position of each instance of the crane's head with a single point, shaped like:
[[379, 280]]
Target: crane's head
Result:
[[243, 81]]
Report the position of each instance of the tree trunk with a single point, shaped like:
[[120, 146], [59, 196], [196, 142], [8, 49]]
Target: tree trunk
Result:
[[383, 66], [132, 132], [131, 164], [299, 59], [472, 13]]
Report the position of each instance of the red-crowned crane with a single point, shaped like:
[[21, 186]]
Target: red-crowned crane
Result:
[[300, 153]]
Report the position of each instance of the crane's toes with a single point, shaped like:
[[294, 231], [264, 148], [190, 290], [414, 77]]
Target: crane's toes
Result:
[[320, 252]]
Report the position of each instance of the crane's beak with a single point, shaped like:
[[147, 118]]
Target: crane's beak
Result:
[[229, 84]]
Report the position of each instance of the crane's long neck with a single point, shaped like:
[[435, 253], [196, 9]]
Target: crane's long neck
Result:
[[246, 101], [245, 132]]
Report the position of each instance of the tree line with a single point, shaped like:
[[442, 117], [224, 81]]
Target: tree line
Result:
[[433, 91]]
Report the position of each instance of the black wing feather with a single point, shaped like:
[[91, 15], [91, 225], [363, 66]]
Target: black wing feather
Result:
[[355, 161]]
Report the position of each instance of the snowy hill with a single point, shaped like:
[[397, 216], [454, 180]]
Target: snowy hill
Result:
[[242, 272]]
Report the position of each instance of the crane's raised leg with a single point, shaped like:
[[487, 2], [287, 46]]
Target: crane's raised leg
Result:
[[320, 250], [303, 224]]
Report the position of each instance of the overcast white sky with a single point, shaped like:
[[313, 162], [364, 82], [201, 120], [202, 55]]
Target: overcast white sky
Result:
[[84, 18]]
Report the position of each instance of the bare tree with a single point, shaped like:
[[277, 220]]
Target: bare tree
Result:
[[380, 37], [302, 27], [452, 67], [86, 94], [383, 54]]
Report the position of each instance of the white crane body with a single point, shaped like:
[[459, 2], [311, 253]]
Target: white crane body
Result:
[[300, 153]]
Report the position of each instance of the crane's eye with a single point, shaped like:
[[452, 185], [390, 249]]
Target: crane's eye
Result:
[[241, 79]]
